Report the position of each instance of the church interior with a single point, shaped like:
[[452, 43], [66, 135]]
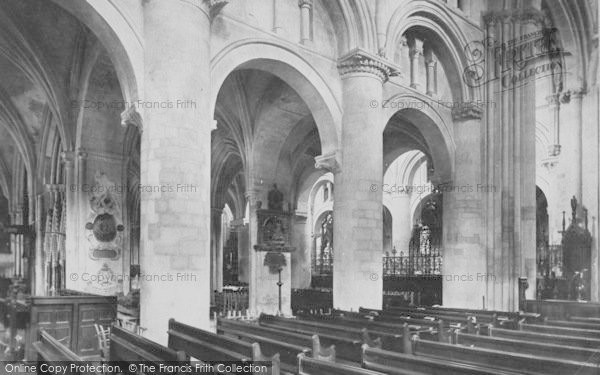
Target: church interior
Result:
[[310, 186]]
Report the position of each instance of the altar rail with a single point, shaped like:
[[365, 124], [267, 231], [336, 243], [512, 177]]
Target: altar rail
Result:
[[230, 302], [410, 265]]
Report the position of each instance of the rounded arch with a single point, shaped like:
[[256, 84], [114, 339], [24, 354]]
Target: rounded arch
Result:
[[574, 22], [436, 130], [4, 180], [436, 18], [312, 214], [120, 38], [357, 27], [294, 70]]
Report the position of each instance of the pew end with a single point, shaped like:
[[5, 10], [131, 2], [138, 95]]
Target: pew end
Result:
[[258, 356], [406, 339], [366, 338], [319, 352]]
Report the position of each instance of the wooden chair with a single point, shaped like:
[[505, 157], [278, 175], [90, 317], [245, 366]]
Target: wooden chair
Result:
[[103, 334]]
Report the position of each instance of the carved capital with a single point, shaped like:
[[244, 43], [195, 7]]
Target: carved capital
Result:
[[467, 111], [329, 162], [82, 153], [415, 47], [553, 99], [572, 94], [360, 61], [305, 3], [132, 117], [67, 157], [215, 6], [553, 150]]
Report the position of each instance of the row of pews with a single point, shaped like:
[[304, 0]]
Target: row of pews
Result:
[[397, 341]]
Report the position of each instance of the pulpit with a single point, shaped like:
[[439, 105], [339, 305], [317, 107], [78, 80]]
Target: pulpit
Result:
[[273, 262]]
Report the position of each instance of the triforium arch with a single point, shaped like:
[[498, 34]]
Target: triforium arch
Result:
[[435, 22]]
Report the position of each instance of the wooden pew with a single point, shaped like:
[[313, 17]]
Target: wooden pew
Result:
[[562, 331], [386, 315], [428, 329], [496, 317], [207, 346], [562, 309], [272, 341], [314, 366], [127, 347], [241, 329], [345, 348], [584, 319], [449, 317], [424, 327], [547, 338], [541, 349], [388, 340], [501, 360], [50, 350], [573, 324], [394, 363]]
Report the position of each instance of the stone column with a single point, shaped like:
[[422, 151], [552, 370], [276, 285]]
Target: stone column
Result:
[[571, 141], [305, 20], [415, 53], [38, 277], [276, 23], [465, 264], [216, 250], [83, 210], [301, 258], [554, 107], [431, 65], [509, 154], [357, 265], [175, 165], [18, 251], [72, 212], [253, 261]]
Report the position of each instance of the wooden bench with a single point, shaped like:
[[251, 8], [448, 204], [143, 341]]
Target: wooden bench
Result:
[[547, 338], [127, 347], [428, 329], [272, 341], [388, 340], [584, 319], [573, 324], [394, 363], [348, 349], [501, 360], [541, 349], [314, 366], [49, 350], [561, 331], [207, 346], [451, 318]]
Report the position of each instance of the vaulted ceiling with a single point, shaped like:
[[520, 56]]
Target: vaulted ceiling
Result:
[[45, 56]]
